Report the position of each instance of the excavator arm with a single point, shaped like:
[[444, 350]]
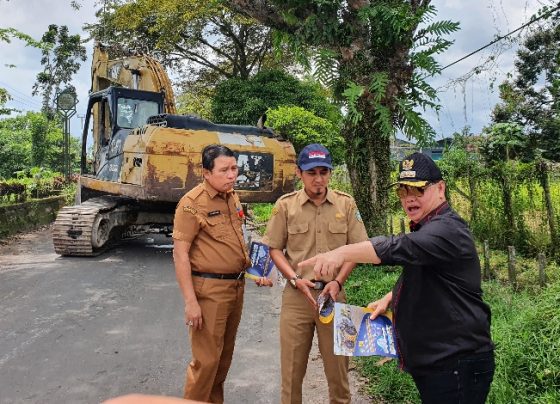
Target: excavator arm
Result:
[[138, 72]]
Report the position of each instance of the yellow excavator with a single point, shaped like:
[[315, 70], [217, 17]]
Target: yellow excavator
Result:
[[139, 157]]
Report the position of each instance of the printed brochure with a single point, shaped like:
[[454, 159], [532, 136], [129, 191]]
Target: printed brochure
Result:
[[356, 335], [261, 263]]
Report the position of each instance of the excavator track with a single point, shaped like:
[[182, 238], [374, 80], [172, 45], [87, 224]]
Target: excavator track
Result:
[[84, 230]]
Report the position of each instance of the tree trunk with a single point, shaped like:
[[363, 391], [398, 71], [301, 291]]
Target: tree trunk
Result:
[[369, 167], [474, 198], [543, 179], [508, 209]]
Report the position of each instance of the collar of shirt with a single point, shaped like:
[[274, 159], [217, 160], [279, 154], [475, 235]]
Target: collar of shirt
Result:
[[444, 207], [303, 197], [213, 192]]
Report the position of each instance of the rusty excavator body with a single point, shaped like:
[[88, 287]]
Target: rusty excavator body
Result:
[[143, 157]]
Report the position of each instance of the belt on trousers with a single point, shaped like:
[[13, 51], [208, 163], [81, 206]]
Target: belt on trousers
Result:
[[237, 275]]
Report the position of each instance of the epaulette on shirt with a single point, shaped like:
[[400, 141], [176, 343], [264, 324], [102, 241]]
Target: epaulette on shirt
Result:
[[195, 192], [288, 194], [342, 193]]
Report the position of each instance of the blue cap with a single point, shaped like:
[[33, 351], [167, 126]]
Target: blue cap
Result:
[[314, 155]]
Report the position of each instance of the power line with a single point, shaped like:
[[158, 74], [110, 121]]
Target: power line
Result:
[[499, 38], [22, 102], [22, 95]]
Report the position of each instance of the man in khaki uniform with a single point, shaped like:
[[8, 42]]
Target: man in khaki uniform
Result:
[[305, 223], [210, 259]]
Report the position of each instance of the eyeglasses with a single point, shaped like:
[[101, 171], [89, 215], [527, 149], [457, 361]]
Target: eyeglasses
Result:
[[404, 190]]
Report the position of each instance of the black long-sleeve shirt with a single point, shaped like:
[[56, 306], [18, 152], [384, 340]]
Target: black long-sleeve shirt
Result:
[[439, 314]]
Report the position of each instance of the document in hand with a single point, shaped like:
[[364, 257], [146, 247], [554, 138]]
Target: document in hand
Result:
[[261, 263], [356, 335]]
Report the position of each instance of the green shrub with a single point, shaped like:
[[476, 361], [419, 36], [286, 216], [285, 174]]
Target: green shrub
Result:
[[39, 182], [303, 127], [261, 212]]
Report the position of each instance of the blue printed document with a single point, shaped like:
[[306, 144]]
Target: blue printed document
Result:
[[356, 335], [262, 265]]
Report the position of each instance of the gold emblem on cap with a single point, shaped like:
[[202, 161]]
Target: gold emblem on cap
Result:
[[407, 165]]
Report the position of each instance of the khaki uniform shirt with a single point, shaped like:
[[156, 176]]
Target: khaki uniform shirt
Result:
[[305, 230], [212, 222]]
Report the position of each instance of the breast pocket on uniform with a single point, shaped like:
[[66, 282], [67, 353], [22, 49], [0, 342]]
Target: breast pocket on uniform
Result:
[[338, 235], [297, 235], [216, 226]]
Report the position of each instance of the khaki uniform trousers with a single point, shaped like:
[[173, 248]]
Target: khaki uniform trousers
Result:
[[298, 322], [221, 303]]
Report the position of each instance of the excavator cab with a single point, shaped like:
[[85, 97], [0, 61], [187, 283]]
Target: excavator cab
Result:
[[111, 115]]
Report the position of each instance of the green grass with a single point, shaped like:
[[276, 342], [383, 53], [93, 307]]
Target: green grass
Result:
[[259, 214], [525, 328]]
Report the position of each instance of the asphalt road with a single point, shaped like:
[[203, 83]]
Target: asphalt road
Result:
[[81, 330]]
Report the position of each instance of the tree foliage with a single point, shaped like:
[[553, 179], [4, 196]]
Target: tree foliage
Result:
[[377, 56], [4, 98], [6, 35], [196, 37], [532, 97], [31, 140], [303, 127], [60, 60], [242, 102]]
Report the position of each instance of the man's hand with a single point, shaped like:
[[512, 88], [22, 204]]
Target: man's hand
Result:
[[324, 265], [332, 289], [262, 281], [380, 306], [305, 286], [193, 315]]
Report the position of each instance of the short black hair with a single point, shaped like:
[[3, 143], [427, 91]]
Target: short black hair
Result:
[[213, 151]]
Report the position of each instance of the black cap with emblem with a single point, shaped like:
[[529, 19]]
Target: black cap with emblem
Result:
[[417, 170]]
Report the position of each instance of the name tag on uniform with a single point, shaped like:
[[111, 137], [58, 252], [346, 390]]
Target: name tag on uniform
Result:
[[214, 213]]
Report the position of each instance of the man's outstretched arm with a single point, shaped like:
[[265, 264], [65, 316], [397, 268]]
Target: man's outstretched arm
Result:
[[327, 263]]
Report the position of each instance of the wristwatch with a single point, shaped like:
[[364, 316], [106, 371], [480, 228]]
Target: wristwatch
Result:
[[293, 281]]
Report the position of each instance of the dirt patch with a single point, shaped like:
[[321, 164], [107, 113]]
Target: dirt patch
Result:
[[27, 247]]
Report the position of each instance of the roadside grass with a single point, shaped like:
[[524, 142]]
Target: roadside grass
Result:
[[525, 329]]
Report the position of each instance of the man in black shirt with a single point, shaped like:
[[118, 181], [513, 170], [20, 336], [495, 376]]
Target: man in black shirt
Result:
[[441, 323]]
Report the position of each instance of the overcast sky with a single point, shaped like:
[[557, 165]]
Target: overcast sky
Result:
[[465, 101]]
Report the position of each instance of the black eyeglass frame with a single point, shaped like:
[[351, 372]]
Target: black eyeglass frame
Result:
[[417, 191]]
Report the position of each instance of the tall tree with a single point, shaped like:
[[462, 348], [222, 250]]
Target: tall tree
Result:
[[199, 38], [61, 60], [532, 97], [504, 151], [377, 58]]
